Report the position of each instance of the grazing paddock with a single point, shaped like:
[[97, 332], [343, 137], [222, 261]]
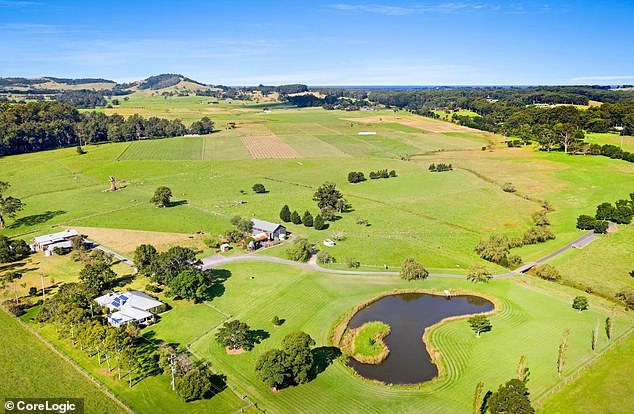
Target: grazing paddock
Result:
[[125, 241], [425, 124], [269, 147], [185, 148]]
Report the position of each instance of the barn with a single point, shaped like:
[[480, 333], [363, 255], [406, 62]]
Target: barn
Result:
[[272, 230]]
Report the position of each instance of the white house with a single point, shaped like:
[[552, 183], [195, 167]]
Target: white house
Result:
[[48, 242], [129, 306]]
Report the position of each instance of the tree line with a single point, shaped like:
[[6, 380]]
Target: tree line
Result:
[[38, 126]]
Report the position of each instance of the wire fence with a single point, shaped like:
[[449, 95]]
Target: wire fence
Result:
[[233, 389], [581, 368], [100, 385]]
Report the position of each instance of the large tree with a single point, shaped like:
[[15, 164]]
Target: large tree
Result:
[[234, 335], [9, 206], [411, 269], [327, 196], [511, 397], [97, 275], [270, 368], [479, 324], [192, 284], [478, 273], [162, 196]]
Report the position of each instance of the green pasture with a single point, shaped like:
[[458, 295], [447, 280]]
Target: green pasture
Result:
[[313, 302], [31, 370]]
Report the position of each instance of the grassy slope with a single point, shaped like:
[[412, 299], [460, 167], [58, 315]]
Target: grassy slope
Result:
[[30, 369], [604, 388], [527, 307], [152, 394]]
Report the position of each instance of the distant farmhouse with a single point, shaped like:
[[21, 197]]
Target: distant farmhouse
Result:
[[129, 307], [265, 230], [49, 242]]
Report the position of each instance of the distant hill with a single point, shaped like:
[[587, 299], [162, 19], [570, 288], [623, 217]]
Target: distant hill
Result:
[[167, 82]]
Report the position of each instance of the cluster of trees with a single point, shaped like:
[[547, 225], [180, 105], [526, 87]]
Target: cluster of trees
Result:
[[621, 212], [611, 151], [496, 248], [37, 126], [71, 311], [440, 167], [307, 219], [13, 250], [375, 175], [300, 250], [177, 268], [82, 98], [358, 176], [191, 380], [292, 364], [509, 111]]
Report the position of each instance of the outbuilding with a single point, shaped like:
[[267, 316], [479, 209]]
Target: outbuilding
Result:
[[272, 230]]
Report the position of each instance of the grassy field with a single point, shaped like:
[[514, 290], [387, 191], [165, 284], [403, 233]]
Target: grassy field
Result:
[[528, 306], [435, 217], [600, 389], [31, 370], [625, 142]]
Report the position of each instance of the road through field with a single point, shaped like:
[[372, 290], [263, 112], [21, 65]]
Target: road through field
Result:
[[217, 260]]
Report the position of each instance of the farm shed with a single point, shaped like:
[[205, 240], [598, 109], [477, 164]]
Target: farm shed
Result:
[[48, 242], [272, 230]]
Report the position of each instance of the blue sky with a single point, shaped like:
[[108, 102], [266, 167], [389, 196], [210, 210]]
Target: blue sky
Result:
[[340, 42]]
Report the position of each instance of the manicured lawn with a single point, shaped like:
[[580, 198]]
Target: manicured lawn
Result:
[[604, 388], [312, 302], [32, 370]]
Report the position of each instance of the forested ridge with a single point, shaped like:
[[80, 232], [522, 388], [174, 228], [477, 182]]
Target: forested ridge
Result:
[[37, 126]]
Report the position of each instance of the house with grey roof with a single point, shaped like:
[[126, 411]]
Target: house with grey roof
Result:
[[272, 230], [49, 242], [129, 307]]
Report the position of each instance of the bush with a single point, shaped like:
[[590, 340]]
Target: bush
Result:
[[353, 263], [153, 288], [195, 385], [513, 261], [547, 272], [16, 309], [338, 235], [324, 257], [295, 218], [411, 269], [393, 173], [355, 177], [285, 214], [509, 187], [259, 188], [234, 235], [536, 235], [585, 222], [32, 291], [307, 219], [300, 251], [319, 223], [212, 242]]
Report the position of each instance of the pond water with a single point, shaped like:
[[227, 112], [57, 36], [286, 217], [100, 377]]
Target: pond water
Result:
[[408, 315]]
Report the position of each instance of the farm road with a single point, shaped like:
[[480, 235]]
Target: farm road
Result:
[[218, 260]]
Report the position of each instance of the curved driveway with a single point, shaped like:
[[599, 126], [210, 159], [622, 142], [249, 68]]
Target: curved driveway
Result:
[[218, 260]]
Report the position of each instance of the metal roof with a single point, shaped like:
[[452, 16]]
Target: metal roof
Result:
[[56, 237], [265, 225]]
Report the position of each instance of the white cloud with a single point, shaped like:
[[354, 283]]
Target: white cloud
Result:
[[602, 78], [18, 4], [439, 7]]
